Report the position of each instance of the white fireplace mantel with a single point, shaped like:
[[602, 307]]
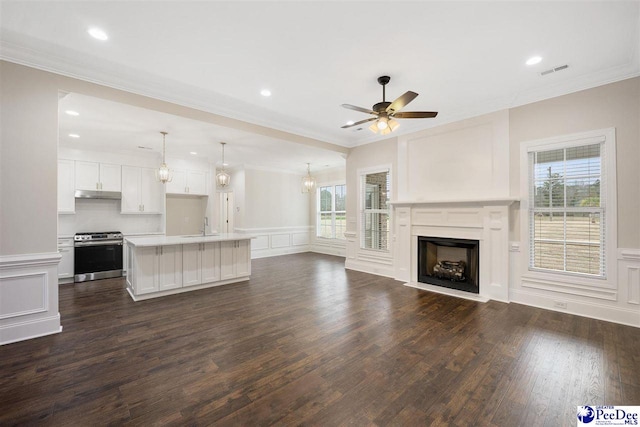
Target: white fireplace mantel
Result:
[[485, 220]]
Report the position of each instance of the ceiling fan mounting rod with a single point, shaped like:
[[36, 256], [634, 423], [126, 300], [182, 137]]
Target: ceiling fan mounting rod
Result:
[[383, 80]]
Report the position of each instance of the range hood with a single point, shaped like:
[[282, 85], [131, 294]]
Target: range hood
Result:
[[93, 194]]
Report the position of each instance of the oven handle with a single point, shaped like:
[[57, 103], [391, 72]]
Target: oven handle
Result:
[[99, 243]]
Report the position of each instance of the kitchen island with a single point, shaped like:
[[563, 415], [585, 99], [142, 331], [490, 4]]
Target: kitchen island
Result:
[[166, 265]]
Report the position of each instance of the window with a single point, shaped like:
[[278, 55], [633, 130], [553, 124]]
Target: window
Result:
[[375, 224], [332, 211], [568, 207]]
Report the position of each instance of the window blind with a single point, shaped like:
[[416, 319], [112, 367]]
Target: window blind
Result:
[[375, 220], [567, 209]]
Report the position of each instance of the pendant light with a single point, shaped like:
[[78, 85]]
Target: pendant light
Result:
[[223, 178], [308, 182], [164, 174]]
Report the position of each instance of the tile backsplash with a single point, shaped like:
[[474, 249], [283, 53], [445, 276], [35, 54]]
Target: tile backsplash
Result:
[[104, 215]]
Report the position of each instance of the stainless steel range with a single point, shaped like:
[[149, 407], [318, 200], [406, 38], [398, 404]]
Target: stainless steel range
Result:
[[97, 255]]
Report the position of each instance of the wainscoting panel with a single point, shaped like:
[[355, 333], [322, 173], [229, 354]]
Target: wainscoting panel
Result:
[[330, 247], [299, 239], [617, 302], [28, 296], [278, 240], [13, 290], [629, 275]]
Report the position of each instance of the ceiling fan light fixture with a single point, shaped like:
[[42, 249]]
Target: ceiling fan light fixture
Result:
[[374, 127], [393, 124], [382, 123]]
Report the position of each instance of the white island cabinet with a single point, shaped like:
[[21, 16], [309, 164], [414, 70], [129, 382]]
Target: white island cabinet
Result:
[[165, 265]]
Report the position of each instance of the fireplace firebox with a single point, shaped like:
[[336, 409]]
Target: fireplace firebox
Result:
[[451, 263]]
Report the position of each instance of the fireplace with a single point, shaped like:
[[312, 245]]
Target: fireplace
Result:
[[451, 263]]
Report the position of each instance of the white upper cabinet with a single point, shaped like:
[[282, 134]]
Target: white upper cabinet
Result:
[[66, 186], [188, 182], [141, 192], [152, 194], [97, 176], [197, 182]]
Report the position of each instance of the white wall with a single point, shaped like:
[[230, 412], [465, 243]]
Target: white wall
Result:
[[464, 160], [272, 208], [371, 155], [616, 105]]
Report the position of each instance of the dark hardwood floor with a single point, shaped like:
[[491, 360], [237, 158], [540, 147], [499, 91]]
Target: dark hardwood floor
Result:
[[308, 342]]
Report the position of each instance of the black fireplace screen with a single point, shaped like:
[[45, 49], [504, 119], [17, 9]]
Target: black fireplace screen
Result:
[[452, 263]]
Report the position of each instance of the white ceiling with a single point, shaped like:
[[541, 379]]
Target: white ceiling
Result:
[[111, 126], [463, 58]]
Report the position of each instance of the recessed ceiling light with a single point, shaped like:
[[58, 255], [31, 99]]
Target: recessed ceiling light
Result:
[[534, 60], [72, 113], [193, 153], [97, 33], [74, 135], [350, 122], [265, 92], [225, 164]]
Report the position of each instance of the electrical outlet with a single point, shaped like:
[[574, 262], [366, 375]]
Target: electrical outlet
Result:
[[560, 304]]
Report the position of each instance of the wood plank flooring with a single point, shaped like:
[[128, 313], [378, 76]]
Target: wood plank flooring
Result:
[[306, 342]]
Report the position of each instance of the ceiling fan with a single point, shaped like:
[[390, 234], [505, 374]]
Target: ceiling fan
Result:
[[385, 112]]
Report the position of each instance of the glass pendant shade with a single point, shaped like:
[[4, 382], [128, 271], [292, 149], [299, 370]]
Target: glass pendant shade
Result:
[[163, 173], [223, 178], [384, 126], [308, 182]]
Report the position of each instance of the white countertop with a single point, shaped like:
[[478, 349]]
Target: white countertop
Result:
[[181, 240]]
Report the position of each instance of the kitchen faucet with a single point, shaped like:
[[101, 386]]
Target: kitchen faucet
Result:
[[204, 226]]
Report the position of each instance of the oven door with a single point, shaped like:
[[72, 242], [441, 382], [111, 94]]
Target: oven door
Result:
[[97, 260]]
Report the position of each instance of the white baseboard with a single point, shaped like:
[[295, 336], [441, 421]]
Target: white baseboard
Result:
[[329, 248], [592, 310], [265, 253], [366, 267], [20, 331]]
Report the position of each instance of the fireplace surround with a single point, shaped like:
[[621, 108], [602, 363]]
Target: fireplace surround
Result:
[[483, 220]]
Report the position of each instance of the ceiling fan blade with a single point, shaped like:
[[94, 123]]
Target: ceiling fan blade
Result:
[[400, 102], [362, 110], [360, 122], [415, 115]]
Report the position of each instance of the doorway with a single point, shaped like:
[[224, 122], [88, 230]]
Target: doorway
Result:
[[226, 212]]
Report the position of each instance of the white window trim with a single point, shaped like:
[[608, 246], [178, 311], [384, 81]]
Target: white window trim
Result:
[[611, 222], [361, 172], [333, 205]]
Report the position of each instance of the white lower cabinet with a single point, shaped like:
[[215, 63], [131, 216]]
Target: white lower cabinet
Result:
[[65, 266], [157, 268], [201, 263], [235, 259], [168, 269]]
